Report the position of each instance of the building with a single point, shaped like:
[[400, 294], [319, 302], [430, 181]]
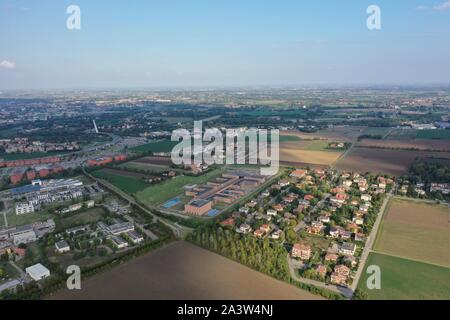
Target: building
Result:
[[23, 234], [62, 246], [298, 173], [301, 251], [37, 272], [198, 207], [118, 242], [24, 208], [347, 248], [135, 237]]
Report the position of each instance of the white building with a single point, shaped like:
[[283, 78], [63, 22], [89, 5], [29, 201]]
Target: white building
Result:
[[37, 272], [62, 246], [24, 208]]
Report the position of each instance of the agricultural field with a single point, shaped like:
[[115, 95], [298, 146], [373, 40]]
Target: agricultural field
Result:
[[416, 230], [419, 144], [128, 182], [401, 134], [162, 192], [384, 161], [158, 146], [340, 134], [434, 134], [403, 279]]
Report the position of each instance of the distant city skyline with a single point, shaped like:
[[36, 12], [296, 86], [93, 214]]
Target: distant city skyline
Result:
[[222, 43]]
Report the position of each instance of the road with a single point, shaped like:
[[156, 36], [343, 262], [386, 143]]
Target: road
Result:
[[370, 242]]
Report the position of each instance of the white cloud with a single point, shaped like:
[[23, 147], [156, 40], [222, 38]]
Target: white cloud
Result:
[[5, 64], [443, 6]]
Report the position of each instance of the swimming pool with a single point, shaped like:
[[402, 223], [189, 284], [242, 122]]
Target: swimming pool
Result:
[[171, 203]]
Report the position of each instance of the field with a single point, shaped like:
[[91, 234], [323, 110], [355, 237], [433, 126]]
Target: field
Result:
[[416, 230], [33, 155], [434, 134], [162, 192], [340, 134], [419, 144], [85, 217], [183, 271], [158, 146], [395, 162], [126, 181], [407, 279]]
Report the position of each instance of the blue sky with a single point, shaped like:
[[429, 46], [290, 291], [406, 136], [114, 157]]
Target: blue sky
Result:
[[207, 43]]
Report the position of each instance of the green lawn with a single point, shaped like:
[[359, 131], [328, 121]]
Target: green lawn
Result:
[[434, 134], [403, 279], [159, 146], [160, 193], [129, 185]]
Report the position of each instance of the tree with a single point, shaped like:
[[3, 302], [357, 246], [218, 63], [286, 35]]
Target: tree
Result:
[[360, 295]]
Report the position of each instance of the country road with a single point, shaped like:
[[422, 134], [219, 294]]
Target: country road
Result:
[[370, 242]]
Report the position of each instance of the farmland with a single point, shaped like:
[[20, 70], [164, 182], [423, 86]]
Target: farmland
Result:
[[416, 230], [124, 180], [434, 134], [158, 146], [183, 271], [416, 144], [407, 279], [395, 162]]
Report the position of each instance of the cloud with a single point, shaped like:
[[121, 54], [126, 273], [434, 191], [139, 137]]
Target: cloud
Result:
[[443, 6], [5, 64]]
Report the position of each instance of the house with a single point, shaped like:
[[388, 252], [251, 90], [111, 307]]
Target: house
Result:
[[366, 197], [37, 272], [276, 234], [308, 197], [244, 210], [258, 233], [271, 212], [347, 248], [359, 237], [338, 279], [245, 228], [278, 207], [342, 270], [284, 183], [228, 222], [331, 257], [265, 228], [321, 270], [358, 221], [62, 246], [301, 251], [299, 173]]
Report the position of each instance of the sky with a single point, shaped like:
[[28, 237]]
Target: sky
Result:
[[221, 43]]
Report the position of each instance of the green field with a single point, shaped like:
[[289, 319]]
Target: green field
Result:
[[434, 134], [288, 138], [403, 279], [160, 193], [18, 220], [159, 146], [33, 155], [127, 184], [145, 167]]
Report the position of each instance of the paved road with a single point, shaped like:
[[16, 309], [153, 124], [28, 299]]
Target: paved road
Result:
[[370, 242]]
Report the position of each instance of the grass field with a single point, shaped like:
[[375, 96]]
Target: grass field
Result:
[[86, 217], [158, 146], [160, 193], [143, 166], [415, 230], [18, 220], [127, 184], [407, 279], [434, 134]]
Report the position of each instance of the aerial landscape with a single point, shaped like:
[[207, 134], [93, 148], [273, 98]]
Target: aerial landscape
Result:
[[174, 165]]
